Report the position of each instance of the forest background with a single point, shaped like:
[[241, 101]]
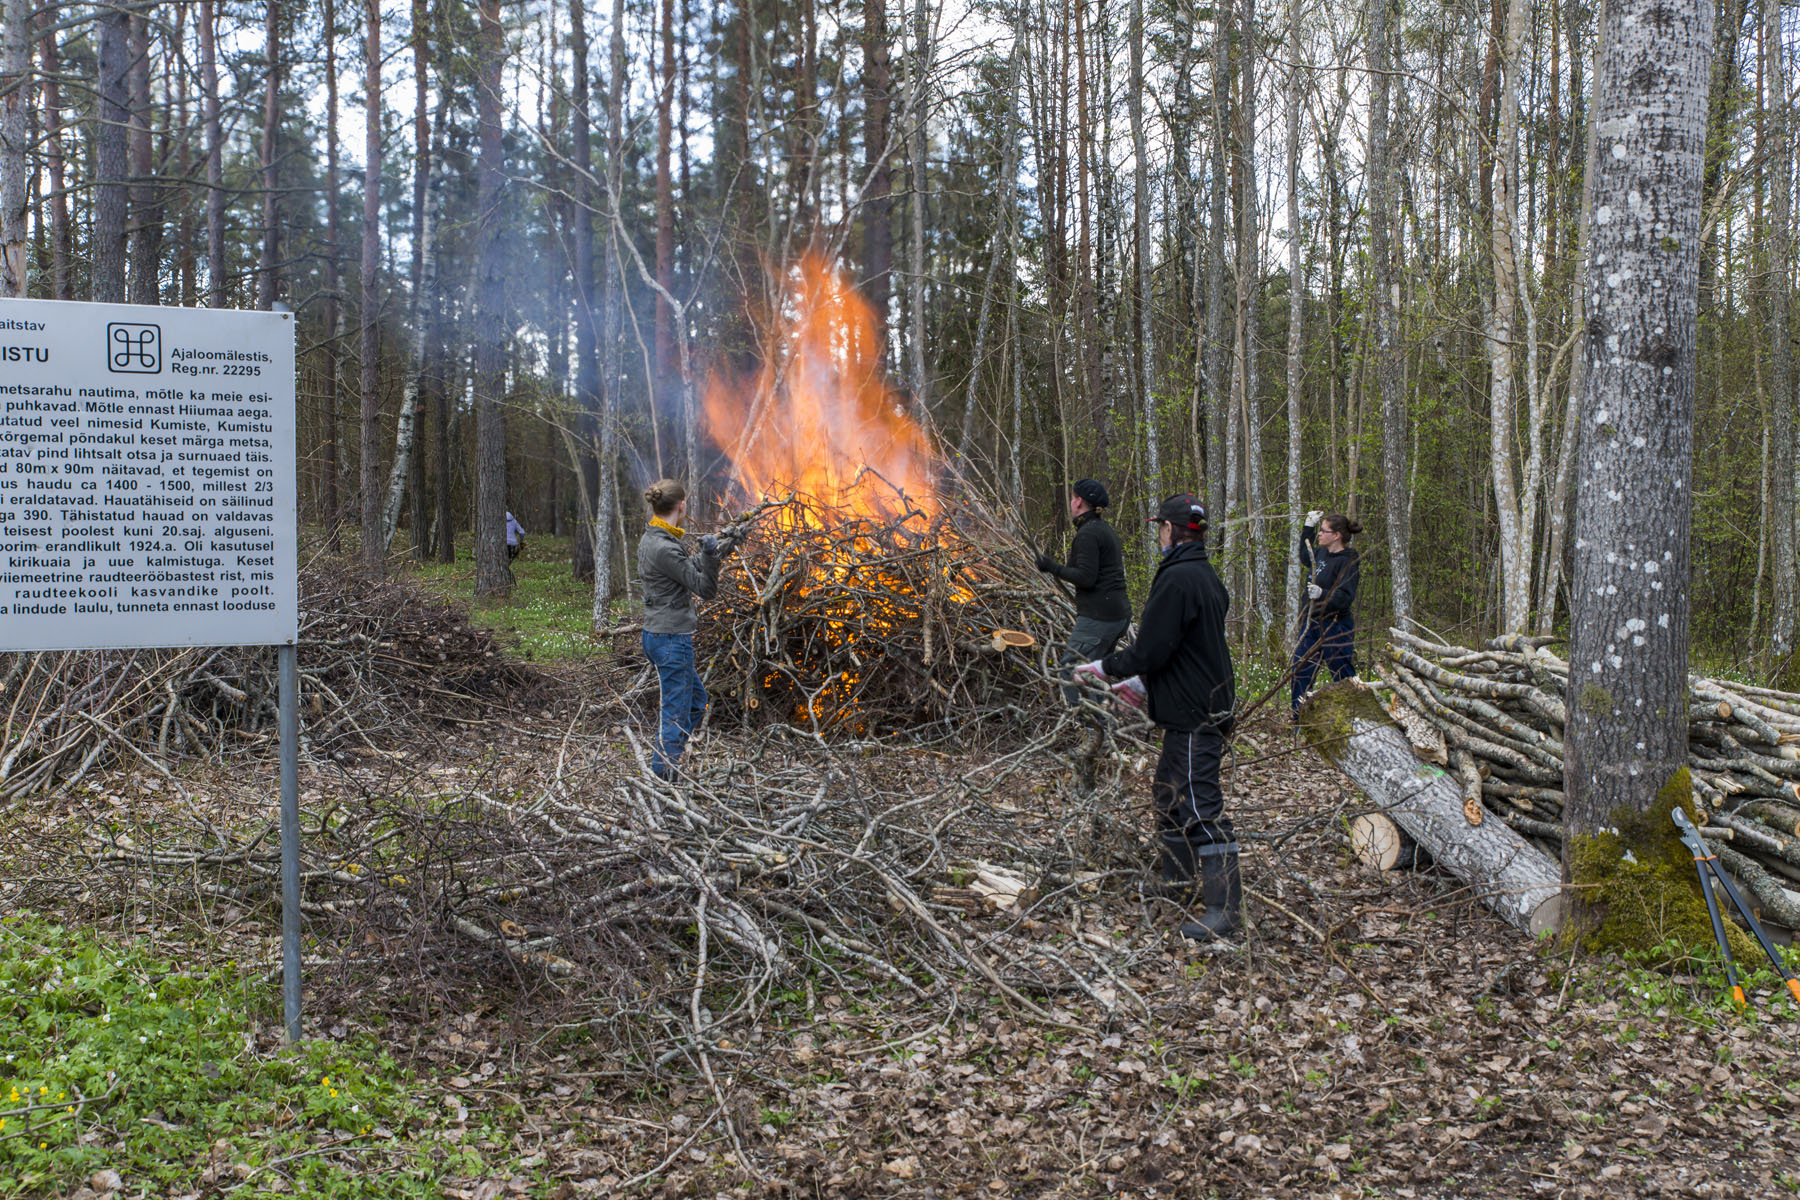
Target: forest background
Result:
[[1297, 256]]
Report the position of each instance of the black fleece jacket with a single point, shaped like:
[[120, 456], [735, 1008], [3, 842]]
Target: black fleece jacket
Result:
[[1097, 569], [1337, 574], [1180, 649]]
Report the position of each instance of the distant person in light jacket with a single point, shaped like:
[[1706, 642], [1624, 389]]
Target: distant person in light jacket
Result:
[[1334, 570], [672, 578]]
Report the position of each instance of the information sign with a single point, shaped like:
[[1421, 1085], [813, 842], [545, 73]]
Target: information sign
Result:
[[147, 477]]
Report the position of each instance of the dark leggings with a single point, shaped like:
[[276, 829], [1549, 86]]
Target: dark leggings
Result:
[[1331, 643]]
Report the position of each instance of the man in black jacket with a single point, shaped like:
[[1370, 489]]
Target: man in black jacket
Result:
[[1096, 567], [1185, 664]]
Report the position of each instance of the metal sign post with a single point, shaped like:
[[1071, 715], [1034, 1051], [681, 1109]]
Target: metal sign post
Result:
[[148, 498]]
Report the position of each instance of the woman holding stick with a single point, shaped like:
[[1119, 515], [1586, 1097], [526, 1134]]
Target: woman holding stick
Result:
[[1329, 636], [672, 578]]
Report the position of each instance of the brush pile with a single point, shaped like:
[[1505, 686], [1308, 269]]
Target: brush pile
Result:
[[375, 660], [1494, 717], [672, 914], [867, 622]]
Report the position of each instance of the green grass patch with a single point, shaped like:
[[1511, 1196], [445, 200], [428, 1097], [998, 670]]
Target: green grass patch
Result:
[[112, 1057], [550, 613]]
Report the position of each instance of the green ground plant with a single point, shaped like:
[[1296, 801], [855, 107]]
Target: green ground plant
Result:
[[113, 1058]]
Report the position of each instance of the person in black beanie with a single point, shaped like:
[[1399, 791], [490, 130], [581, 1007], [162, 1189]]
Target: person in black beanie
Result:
[[1184, 663], [1096, 568]]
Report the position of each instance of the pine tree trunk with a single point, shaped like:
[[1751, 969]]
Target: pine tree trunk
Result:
[[334, 284], [62, 285], [1628, 647], [920, 123], [1781, 361], [1396, 476], [143, 226], [878, 203], [15, 148], [492, 578], [215, 159], [269, 278], [374, 545], [587, 362], [110, 150]]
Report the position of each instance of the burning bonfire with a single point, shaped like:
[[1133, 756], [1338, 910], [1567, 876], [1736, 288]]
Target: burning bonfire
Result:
[[863, 600]]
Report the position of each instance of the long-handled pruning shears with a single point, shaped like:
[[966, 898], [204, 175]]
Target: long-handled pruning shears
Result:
[[1707, 863]]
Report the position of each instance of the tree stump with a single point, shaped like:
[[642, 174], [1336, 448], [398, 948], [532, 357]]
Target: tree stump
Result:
[[1348, 726]]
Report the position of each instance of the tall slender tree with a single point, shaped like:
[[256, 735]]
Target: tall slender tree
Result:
[[269, 276], [1778, 221], [1143, 328], [111, 198], [334, 284], [62, 248], [1396, 480], [492, 577], [215, 156], [15, 147], [878, 204], [374, 545]]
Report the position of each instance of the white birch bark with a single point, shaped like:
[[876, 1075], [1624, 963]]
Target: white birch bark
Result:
[[1143, 333], [1290, 610], [1781, 372]]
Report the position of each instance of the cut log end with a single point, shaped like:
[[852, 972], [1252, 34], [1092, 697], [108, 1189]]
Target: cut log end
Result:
[[1379, 843]]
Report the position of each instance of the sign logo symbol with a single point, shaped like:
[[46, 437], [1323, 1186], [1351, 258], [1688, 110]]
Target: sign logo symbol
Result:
[[133, 349]]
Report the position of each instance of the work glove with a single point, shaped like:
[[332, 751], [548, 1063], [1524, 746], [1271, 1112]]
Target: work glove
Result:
[[1046, 563], [709, 545], [1093, 670], [1314, 517], [1314, 591], [731, 539], [1131, 692]]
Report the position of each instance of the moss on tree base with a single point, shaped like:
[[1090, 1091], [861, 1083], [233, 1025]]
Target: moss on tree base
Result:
[[1636, 889], [1328, 715]]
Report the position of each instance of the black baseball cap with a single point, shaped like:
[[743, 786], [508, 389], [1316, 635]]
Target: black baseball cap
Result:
[[1184, 509], [1092, 491]]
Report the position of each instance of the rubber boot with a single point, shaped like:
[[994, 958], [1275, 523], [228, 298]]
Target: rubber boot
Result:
[[1223, 890], [1179, 870]]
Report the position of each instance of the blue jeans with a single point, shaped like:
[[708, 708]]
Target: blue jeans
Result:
[[683, 695], [1331, 643]]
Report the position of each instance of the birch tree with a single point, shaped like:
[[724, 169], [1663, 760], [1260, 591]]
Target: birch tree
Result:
[[1628, 647], [1296, 342]]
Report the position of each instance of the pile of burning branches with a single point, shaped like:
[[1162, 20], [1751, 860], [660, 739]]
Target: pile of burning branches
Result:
[[878, 618], [1495, 717], [373, 659], [672, 915]]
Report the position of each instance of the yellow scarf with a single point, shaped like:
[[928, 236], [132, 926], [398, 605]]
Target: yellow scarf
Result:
[[678, 531]]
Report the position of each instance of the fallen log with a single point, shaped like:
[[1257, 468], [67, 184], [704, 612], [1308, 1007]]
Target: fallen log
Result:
[[1348, 726]]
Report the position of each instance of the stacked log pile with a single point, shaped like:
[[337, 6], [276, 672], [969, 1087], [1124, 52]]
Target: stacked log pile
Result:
[[871, 622], [1493, 717]]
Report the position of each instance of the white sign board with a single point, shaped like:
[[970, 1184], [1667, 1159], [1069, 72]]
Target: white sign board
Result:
[[147, 481]]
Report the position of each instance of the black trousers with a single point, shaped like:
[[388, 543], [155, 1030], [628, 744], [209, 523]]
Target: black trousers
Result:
[[1190, 807]]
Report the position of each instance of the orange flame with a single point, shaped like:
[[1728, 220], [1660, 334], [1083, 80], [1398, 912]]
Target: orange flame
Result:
[[819, 418]]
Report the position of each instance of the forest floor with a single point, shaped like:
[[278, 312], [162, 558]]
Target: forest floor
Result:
[[1373, 1036]]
